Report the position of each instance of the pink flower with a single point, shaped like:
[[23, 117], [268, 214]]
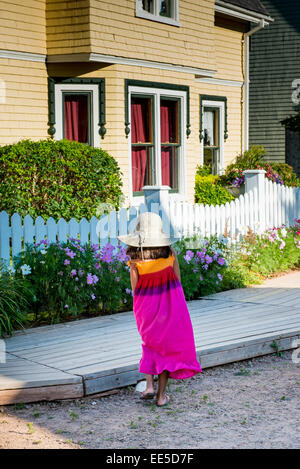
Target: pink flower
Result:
[[67, 262]]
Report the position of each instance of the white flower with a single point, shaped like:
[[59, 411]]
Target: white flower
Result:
[[283, 232], [11, 269], [42, 262], [44, 251], [26, 269]]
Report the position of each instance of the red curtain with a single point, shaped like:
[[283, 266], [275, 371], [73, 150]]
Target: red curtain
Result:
[[139, 132], [168, 116], [76, 117]]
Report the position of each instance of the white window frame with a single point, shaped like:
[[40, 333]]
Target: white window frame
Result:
[[81, 88], [157, 93], [221, 106], [141, 13]]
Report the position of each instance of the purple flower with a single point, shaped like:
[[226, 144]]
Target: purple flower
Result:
[[188, 256], [95, 279], [117, 279], [217, 282], [221, 261], [66, 306], [70, 253], [66, 262], [208, 259], [201, 278], [73, 272], [201, 254], [97, 266], [128, 291], [80, 272], [195, 271], [89, 279], [93, 296], [60, 273], [76, 279], [220, 277], [205, 266]]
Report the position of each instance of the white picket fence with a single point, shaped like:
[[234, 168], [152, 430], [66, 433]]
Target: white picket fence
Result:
[[265, 206]]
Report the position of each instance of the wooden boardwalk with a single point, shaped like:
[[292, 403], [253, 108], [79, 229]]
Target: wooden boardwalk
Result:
[[94, 355]]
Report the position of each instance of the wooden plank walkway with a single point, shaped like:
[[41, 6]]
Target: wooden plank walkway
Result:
[[94, 355]]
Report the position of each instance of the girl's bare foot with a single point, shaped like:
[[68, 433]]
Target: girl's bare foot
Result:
[[162, 400]]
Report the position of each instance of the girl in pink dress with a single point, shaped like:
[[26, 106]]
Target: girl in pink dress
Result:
[[160, 309]]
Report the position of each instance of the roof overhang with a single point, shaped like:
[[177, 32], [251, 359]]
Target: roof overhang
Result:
[[241, 13]]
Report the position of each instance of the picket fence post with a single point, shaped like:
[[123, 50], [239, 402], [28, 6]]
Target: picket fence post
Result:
[[256, 178]]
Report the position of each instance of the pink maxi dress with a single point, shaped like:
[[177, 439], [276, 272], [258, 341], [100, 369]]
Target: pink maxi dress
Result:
[[163, 321]]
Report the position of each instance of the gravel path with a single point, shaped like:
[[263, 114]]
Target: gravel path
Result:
[[249, 404]]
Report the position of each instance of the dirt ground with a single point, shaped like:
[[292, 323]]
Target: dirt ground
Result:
[[249, 404]]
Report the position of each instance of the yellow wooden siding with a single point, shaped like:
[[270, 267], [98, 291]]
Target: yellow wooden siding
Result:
[[24, 105], [23, 25], [115, 30], [115, 141], [68, 29], [229, 49]]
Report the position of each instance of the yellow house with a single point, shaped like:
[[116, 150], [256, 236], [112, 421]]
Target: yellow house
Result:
[[162, 85]]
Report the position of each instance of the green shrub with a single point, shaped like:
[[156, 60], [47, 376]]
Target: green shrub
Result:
[[208, 191], [14, 295], [204, 170], [57, 179]]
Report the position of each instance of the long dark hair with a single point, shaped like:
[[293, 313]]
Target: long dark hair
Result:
[[148, 252]]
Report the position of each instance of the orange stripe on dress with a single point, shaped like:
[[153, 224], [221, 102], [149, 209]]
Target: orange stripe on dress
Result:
[[153, 265]]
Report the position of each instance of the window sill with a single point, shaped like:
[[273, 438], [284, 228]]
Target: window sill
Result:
[[160, 19]]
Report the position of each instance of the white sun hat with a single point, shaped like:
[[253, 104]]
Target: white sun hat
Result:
[[148, 232]]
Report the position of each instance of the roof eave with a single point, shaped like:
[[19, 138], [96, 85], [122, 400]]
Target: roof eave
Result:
[[241, 13]]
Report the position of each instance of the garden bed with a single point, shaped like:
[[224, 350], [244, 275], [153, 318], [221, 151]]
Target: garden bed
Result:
[[58, 282]]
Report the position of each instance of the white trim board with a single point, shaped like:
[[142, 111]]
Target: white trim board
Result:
[[112, 59], [16, 55], [220, 81], [241, 13]]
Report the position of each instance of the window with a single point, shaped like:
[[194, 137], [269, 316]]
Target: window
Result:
[[77, 109], [163, 11], [213, 130], [157, 122], [142, 142], [77, 117]]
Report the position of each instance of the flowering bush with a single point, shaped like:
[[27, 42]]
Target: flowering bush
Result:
[[69, 279], [280, 173], [202, 265], [276, 250]]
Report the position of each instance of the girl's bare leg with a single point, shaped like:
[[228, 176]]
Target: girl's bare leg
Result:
[[149, 384], [162, 384]]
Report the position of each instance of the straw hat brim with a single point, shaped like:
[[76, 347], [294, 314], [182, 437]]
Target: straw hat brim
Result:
[[134, 240]]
